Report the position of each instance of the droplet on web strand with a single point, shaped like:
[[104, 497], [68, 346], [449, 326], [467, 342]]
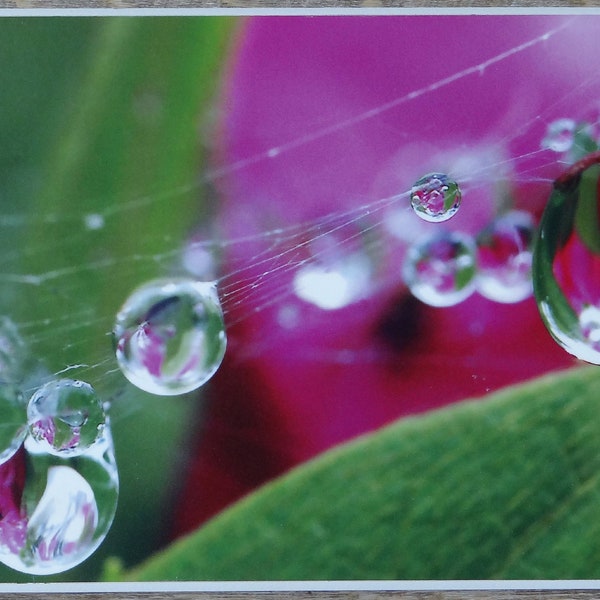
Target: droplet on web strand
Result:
[[65, 417], [170, 336], [435, 197], [440, 271]]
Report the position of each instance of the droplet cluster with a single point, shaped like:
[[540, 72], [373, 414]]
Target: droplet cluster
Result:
[[58, 477], [445, 268]]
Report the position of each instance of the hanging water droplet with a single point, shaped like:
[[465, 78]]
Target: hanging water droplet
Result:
[[441, 270], [560, 135], [170, 336], [566, 261], [435, 197], [504, 255], [55, 512], [65, 417]]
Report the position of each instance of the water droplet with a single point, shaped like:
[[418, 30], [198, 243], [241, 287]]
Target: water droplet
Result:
[[435, 197], [441, 270], [504, 255], [65, 417], [170, 336], [566, 261], [55, 512], [560, 135]]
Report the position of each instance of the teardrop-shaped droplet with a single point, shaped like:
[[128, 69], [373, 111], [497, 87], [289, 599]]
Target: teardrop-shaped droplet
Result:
[[65, 417], [55, 512], [441, 270], [504, 256], [435, 197], [566, 262], [170, 336]]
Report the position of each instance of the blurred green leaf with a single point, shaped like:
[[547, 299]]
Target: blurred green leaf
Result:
[[102, 151], [506, 487]]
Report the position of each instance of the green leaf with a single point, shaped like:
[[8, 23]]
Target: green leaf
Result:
[[503, 487]]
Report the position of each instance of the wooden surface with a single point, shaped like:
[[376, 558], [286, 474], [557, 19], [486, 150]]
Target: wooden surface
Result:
[[523, 594]]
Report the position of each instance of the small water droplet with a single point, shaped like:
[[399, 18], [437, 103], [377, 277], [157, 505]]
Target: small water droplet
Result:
[[560, 135], [441, 270], [170, 336], [566, 261], [65, 417], [55, 512], [504, 255], [435, 197]]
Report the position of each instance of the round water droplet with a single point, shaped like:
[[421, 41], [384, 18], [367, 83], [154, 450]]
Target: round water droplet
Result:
[[560, 135], [566, 261], [504, 255], [13, 421], [65, 417], [55, 512], [435, 197], [170, 336], [441, 270]]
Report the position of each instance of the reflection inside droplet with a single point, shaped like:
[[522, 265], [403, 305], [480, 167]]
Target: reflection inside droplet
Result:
[[440, 271], [435, 197], [504, 255], [65, 416], [566, 265], [55, 511], [170, 336]]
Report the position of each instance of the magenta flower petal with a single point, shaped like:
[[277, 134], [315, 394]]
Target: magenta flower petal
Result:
[[326, 115]]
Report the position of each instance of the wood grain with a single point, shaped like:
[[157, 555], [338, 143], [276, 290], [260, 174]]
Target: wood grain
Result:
[[524, 594]]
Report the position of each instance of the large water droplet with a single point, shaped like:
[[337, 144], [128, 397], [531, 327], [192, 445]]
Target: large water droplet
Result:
[[441, 270], [170, 336], [65, 416], [566, 262], [55, 512], [504, 255], [435, 197]]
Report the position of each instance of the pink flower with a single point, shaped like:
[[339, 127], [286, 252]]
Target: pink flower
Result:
[[322, 116]]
